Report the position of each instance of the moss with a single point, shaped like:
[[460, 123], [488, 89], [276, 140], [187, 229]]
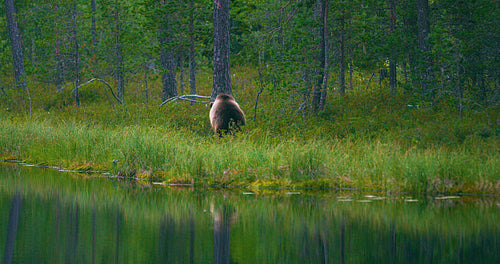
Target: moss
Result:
[[5, 156], [86, 167]]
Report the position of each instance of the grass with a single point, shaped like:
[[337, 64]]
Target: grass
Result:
[[363, 140]]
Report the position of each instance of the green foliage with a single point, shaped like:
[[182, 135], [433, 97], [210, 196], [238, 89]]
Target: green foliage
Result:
[[367, 138]]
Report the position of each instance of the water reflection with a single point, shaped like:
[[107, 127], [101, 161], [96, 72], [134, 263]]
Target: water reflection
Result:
[[50, 217], [12, 227], [223, 214]]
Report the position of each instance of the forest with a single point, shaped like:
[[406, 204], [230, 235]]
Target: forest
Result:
[[385, 94]]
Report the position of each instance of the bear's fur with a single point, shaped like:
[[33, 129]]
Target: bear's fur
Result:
[[226, 115]]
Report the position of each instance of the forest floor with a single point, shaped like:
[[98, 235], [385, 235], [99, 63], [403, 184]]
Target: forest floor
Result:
[[365, 139]]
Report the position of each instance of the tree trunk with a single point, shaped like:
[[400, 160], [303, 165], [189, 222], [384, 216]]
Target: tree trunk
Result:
[[94, 60], [392, 57], [222, 72], [16, 46], [146, 87], [119, 78], [319, 94], [192, 56], [93, 26], [410, 30], [342, 53], [76, 56], [181, 73], [351, 71], [59, 78], [169, 81], [167, 58], [424, 46]]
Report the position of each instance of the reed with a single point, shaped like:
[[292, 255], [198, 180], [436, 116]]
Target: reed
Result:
[[365, 139], [255, 158]]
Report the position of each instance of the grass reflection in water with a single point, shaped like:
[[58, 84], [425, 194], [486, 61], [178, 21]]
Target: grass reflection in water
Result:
[[52, 217]]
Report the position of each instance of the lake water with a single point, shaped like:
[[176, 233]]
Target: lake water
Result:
[[47, 216]]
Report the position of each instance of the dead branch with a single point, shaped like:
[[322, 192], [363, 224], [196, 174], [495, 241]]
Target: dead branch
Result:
[[105, 83], [368, 84], [62, 88], [187, 97], [105, 92], [261, 89]]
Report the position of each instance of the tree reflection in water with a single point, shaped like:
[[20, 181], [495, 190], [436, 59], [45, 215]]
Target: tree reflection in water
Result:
[[56, 218]]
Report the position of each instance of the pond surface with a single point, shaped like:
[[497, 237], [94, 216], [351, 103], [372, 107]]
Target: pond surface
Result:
[[47, 216]]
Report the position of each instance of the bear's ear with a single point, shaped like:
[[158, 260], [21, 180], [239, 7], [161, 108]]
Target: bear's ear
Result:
[[210, 104]]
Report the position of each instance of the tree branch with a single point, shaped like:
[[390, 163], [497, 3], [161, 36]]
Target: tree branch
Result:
[[105, 83], [186, 97], [261, 88], [2, 92], [368, 84], [105, 92]]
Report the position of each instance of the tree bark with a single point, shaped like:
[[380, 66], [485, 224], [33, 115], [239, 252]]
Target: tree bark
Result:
[[169, 81], [76, 56], [392, 57], [424, 46], [15, 44], [59, 78], [181, 73], [94, 60], [222, 72], [119, 78], [319, 94], [93, 26], [192, 55], [342, 53], [410, 30], [167, 58]]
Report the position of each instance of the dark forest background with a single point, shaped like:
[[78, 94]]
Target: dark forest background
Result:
[[303, 50]]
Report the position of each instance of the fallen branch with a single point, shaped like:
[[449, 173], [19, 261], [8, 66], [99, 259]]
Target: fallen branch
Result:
[[105, 92], [187, 97], [105, 83]]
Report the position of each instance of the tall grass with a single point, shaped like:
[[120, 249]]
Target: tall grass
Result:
[[365, 139], [253, 158]]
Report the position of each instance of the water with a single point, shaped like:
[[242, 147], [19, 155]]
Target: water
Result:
[[48, 216]]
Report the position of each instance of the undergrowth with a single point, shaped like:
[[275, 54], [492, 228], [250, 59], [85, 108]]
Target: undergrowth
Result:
[[362, 140]]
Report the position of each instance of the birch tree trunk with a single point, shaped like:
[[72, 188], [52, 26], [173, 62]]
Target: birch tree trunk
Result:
[[222, 73]]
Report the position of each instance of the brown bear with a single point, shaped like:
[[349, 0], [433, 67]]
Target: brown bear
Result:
[[226, 115]]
